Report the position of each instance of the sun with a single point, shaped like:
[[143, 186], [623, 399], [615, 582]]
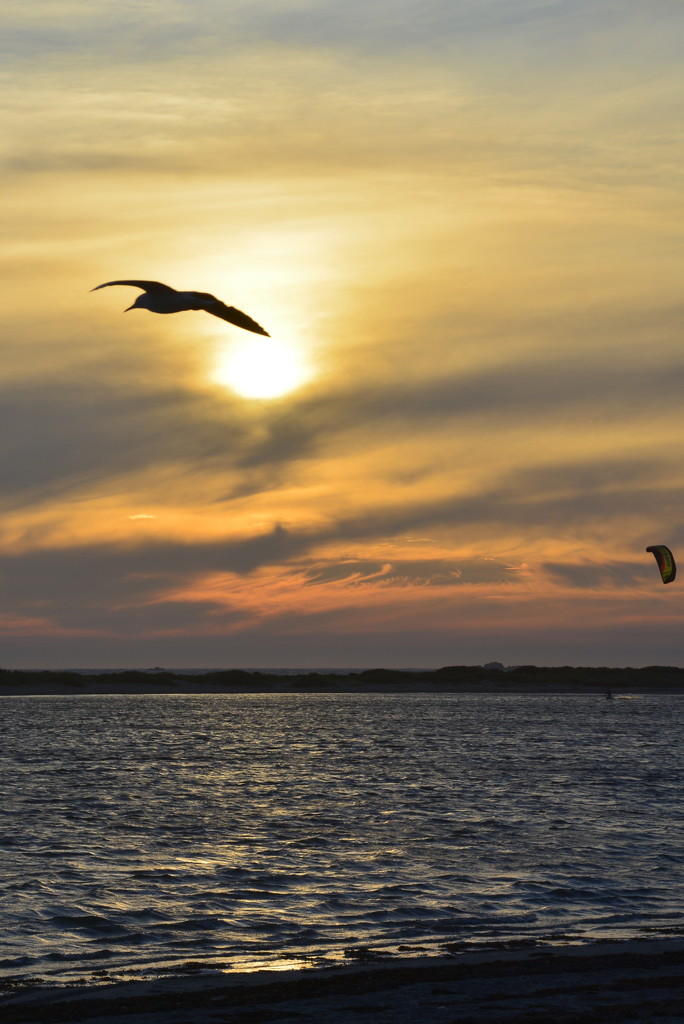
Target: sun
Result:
[[260, 369]]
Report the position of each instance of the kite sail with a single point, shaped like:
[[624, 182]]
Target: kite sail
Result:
[[665, 560]]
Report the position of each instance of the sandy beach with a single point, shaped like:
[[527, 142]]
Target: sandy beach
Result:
[[626, 982]]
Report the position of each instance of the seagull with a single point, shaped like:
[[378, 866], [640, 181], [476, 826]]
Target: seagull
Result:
[[160, 298]]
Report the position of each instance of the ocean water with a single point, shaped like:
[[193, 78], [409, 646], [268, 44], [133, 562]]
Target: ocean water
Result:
[[152, 833]]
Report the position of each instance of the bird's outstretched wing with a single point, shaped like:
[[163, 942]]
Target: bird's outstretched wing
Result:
[[147, 286], [233, 316]]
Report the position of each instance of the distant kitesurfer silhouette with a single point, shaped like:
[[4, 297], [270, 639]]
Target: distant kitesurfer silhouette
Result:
[[160, 298]]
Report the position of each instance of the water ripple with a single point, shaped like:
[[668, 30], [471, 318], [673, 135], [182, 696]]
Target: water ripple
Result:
[[136, 829]]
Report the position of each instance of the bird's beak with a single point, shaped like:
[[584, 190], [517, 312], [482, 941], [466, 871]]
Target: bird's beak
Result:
[[129, 307]]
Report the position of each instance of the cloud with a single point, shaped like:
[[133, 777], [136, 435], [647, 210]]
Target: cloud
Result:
[[433, 572], [155, 30], [238, 90], [601, 575], [98, 585], [383, 452]]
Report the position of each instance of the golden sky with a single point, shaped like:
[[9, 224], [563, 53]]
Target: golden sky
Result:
[[459, 220]]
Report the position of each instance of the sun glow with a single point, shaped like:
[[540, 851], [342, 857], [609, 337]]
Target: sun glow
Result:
[[260, 369]]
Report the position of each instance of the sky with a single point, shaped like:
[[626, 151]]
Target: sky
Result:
[[460, 222]]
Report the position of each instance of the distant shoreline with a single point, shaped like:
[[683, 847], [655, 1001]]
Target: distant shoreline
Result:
[[524, 679]]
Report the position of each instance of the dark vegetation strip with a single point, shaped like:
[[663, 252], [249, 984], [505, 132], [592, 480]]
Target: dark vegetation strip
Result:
[[452, 678]]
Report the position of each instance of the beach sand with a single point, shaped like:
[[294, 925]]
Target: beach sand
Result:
[[627, 982]]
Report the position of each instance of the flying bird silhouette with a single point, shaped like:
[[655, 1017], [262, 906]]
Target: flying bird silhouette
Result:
[[160, 298]]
